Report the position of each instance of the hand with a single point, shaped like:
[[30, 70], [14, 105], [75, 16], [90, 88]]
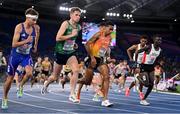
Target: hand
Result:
[[74, 32], [131, 60], [75, 46], [29, 39], [146, 47], [34, 50], [25, 46]]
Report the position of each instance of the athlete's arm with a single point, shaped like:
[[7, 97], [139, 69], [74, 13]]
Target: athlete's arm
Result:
[[50, 67], [129, 69], [16, 36], [146, 48], [37, 28], [115, 68], [129, 51], [4, 61], [90, 42], [60, 35], [159, 59], [35, 66], [109, 59]]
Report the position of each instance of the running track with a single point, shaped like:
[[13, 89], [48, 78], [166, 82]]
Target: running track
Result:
[[56, 101]]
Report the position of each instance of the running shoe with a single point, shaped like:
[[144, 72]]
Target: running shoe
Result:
[[74, 99], [106, 103], [43, 90], [144, 102], [4, 104], [96, 98], [20, 92]]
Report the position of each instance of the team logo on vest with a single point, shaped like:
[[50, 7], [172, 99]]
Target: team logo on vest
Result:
[[23, 35]]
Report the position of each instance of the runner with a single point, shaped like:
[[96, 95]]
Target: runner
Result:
[[37, 72], [138, 60], [46, 68], [97, 47], [151, 57], [65, 52], [22, 45]]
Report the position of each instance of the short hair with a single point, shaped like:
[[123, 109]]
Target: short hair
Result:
[[144, 37], [107, 23], [102, 24], [73, 9], [31, 11], [155, 36]]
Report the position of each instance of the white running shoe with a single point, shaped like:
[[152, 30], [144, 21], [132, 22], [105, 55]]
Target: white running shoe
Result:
[[106, 103], [144, 102], [74, 99], [44, 90], [4, 104]]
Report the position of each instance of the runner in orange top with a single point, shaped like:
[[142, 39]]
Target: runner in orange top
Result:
[[97, 48]]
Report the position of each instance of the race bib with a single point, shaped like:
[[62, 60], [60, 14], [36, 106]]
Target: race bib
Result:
[[102, 52], [151, 59], [69, 45], [24, 49]]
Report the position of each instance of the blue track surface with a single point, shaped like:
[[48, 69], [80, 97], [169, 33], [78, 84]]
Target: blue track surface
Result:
[[57, 101]]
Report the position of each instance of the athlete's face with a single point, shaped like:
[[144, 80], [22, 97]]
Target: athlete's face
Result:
[[102, 28], [158, 40], [32, 21], [143, 42], [75, 16], [39, 59], [125, 62], [46, 58], [109, 29]]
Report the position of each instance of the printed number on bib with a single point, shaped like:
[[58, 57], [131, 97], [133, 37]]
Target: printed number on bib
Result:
[[102, 52], [25, 49], [69, 45]]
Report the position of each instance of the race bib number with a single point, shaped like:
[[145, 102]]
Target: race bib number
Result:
[[151, 59], [102, 52], [69, 45], [24, 49]]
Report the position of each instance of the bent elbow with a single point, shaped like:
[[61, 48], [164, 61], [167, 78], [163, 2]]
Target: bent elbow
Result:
[[14, 45], [58, 38]]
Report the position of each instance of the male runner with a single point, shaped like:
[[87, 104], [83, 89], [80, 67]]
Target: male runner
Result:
[[65, 52], [22, 45]]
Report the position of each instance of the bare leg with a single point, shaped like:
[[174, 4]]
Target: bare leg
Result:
[[7, 86], [73, 63], [54, 75], [104, 71]]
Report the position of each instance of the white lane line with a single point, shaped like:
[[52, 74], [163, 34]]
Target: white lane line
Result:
[[151, 97], [36, 106], [160, 108], [169, 93], [116, 96], [55, 100]]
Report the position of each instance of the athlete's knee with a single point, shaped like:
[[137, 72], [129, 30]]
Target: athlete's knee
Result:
[[75, 71], [106, 77], [151, 84], [29, 74], [9, 79], [53, 77]]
